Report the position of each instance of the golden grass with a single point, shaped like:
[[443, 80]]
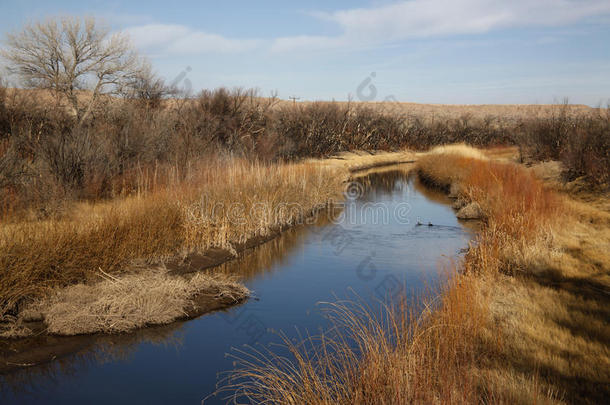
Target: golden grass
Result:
[[214, 204], [460, 149], [171, 213], [123, 304], [371, 355], [546, 302], [477, 111], [427, 111], [360, 160], [522, 320]]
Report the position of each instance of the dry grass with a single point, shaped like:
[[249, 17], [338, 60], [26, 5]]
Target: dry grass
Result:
[[428, 111], [372, 355], [123, 304], [524, 320], [442, 111], [460, 150], [57, 262], [548, 297], [215, 204], [361, 160]]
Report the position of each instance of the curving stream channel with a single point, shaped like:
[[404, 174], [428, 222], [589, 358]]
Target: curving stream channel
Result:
[[373, 247]]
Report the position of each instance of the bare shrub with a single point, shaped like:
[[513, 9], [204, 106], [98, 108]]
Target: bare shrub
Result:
[[586, 151], [98, 159], [12, 168], [322, 129], [67, 156], [580, 141], [146, 88]]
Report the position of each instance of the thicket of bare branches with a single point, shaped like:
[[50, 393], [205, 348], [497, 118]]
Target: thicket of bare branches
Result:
[[92, 149], [45, 155], [580, 141]]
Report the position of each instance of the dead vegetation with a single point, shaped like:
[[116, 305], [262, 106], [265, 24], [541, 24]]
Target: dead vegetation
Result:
[[129, 182], [48, 158], [221, 204], [118, 305], [522, 320]]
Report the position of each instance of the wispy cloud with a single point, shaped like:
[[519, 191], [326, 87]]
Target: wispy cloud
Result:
[[123, 19], [432, 18], [179, 39], [385, 24], [307, 42]]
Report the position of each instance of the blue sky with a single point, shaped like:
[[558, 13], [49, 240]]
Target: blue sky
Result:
[[429, 51]]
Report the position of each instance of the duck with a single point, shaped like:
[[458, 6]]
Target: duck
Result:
[[420, 224]]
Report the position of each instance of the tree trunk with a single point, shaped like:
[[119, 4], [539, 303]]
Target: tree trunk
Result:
[[91, 102], [74, 101]]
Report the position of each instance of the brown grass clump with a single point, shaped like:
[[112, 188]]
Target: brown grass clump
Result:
[[387, 354], [133, 301], [459, 149], [513, 199], [523, 321], [36, 257]]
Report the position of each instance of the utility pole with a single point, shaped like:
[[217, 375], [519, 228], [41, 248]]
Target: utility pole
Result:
[[294, 99]]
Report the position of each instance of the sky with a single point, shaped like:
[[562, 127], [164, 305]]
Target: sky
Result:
[[426, 51]]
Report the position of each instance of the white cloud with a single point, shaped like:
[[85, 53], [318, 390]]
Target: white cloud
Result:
[[307, 42], [429, 18], [123, 19], [179, 39], [387, 23]]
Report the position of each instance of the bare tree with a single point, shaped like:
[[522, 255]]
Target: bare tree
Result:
[[69, 54], [147, 87]]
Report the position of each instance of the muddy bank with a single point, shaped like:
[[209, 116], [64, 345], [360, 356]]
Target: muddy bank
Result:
[[206, 300], [42, 350], [214, 257]]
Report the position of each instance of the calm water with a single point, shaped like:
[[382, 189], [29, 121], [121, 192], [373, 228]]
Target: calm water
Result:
[[372, 246]]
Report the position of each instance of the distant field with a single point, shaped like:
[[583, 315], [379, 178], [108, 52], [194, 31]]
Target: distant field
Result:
[[457, 110], [506, 111]]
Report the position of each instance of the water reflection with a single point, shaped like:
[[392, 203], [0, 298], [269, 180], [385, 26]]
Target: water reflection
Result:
[[289, 276], [271, 256], [46, 359]]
